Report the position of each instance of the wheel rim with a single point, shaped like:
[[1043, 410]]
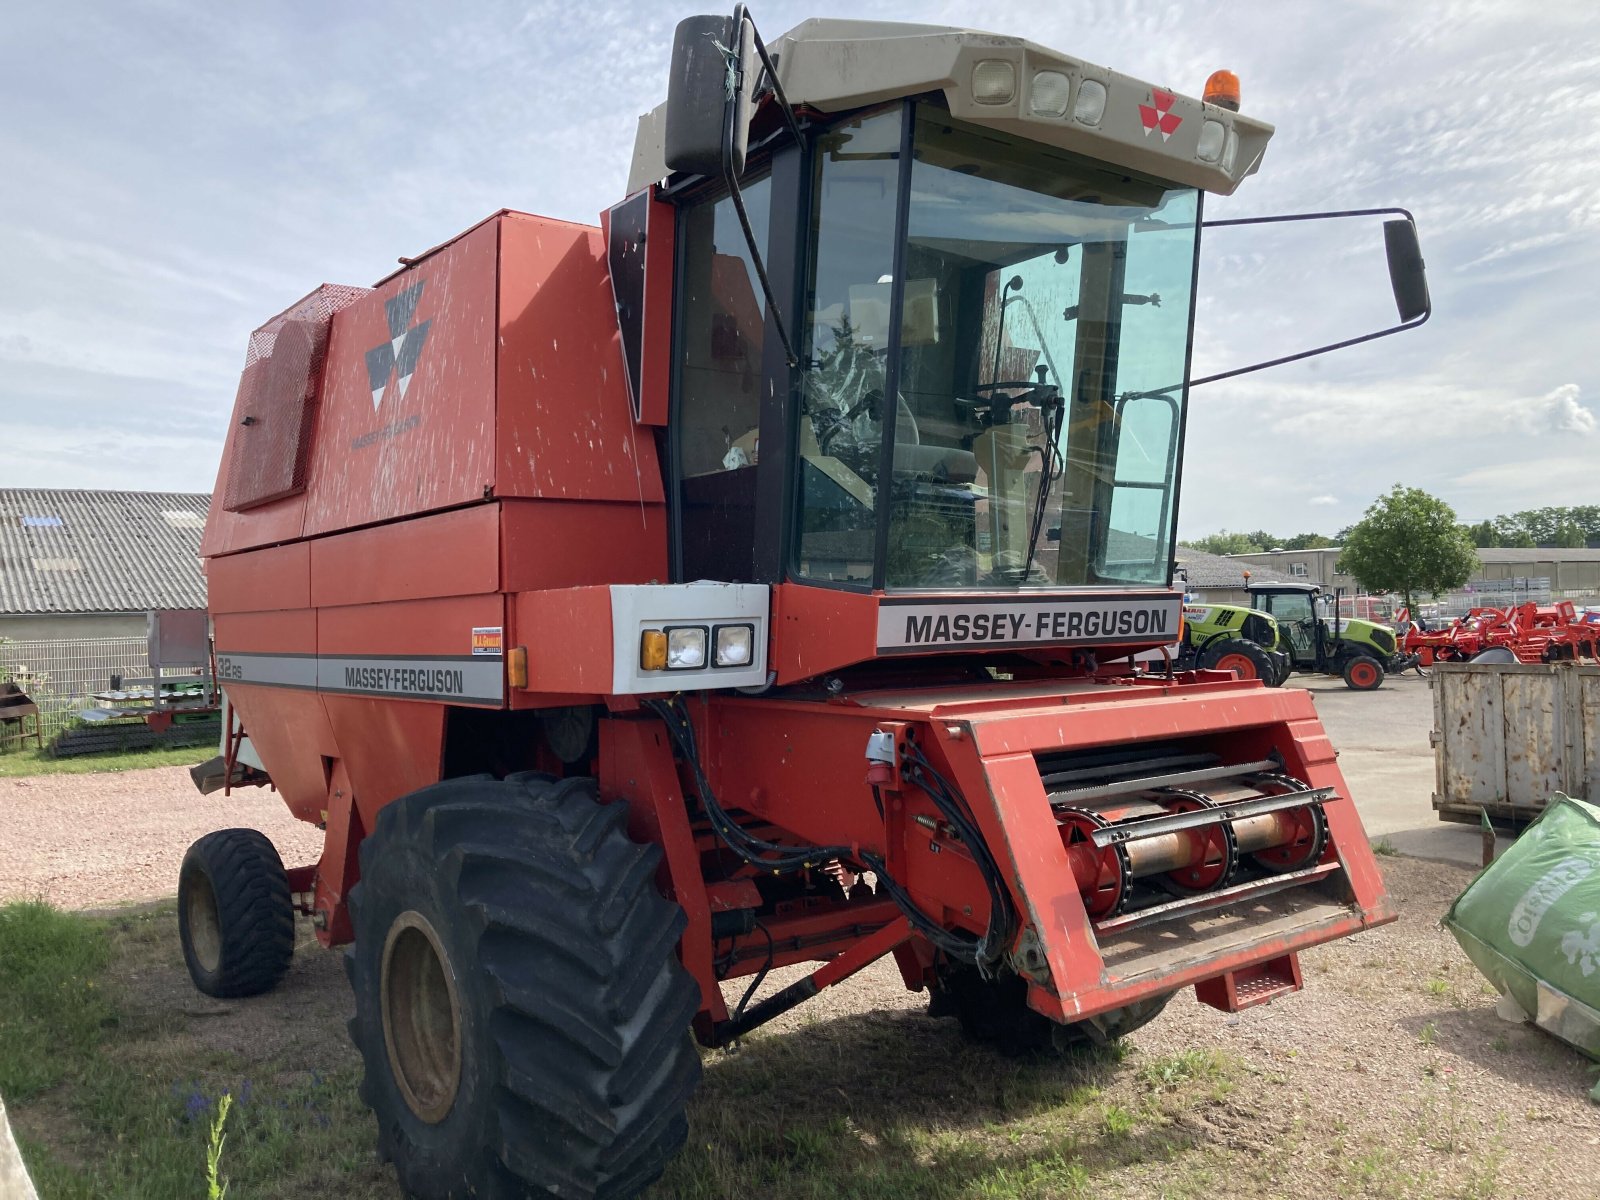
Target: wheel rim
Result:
[[1363, 674], [205, 927], [1239, 664], [421, 1017]]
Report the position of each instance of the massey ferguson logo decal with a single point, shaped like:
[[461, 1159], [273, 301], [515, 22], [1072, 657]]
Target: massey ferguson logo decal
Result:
[[1158, 114], [922, 625], [397, 358]]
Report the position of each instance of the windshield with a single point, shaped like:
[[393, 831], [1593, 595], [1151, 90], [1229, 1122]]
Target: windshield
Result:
[[1042, 294]]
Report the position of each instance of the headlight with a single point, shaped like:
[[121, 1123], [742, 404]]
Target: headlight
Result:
[[1091, 105], [735, 645], [686, 647], [1049, 95], [994, 81]]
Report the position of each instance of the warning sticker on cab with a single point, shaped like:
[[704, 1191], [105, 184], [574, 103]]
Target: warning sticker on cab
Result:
[[487, 640]]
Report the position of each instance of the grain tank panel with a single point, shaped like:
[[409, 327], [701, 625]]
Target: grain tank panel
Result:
[[407, 415]]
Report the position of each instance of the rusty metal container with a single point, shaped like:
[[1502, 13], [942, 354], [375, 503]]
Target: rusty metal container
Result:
[[1508, 736]]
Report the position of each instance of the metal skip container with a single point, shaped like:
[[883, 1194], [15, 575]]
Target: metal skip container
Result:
[[1508, 736]]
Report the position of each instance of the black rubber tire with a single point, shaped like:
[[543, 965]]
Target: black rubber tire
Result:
[[996, 1012], [574, 1049], [1362, 672], [246, 940], [1265, 669], [1285, 662]]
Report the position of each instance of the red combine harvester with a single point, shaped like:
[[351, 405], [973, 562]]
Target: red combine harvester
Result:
[[1528, 633], [590, 591]]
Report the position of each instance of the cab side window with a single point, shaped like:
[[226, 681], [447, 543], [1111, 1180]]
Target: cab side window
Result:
[[722, 319]]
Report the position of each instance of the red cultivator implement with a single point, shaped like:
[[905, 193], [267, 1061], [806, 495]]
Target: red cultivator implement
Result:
[[1533, 633]]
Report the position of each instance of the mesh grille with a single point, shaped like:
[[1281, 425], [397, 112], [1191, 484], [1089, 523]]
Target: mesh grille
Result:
[[278, 396]]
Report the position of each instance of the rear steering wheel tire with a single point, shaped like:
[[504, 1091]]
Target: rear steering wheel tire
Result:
[[235, 914], [996, 1012], [1363, 673], [521, 1014], [1245, 659]]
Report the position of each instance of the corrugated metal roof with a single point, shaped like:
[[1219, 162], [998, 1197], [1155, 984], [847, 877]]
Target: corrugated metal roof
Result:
[[96, 552], [1214, 571]]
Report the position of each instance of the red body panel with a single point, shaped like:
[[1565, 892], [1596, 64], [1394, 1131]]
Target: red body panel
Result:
[[564, 426]]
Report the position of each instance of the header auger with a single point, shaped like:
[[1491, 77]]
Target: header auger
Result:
[[757, 579]]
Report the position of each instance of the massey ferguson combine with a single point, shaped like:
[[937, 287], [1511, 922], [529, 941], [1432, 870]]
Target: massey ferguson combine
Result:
[[758, 579]]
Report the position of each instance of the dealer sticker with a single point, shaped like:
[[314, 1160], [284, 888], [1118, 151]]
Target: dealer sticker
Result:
[[487, 640]]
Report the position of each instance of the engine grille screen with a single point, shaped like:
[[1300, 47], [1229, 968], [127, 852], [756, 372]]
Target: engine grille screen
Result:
[[278, 398]]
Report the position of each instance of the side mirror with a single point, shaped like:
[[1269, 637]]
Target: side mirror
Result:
[[709, 95], [1407, 275], [1408, 280]]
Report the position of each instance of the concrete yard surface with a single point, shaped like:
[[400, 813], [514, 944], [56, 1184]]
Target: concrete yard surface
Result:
[[1382, 740]]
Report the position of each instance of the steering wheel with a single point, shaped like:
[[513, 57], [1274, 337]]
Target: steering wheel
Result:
[[984, 401]]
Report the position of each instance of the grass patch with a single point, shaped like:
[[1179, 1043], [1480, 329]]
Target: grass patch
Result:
[[36, 762], [1384, 848], [50, 996], [115, 1100]]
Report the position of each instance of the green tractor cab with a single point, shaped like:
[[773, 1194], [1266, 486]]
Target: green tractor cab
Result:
[[1231, 637], [1362, 652]]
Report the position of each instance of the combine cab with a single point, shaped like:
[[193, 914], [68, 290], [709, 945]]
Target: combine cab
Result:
[[759, 578]]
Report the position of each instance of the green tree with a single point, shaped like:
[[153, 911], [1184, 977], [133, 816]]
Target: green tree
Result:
[[1309, 541], [1408, 542], [1226, 543], [1484, 533], [1569, 535]]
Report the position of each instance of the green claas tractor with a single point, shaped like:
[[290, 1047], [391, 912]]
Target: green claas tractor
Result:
[[1231, 637], [1362, 652]]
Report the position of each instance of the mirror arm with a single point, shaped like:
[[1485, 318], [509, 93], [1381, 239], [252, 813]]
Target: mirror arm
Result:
[[1289, 358], [730, 177], [772, 76], [1420, 319]]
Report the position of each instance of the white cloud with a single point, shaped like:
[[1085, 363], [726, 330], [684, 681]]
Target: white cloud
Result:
[[1562, 411], [212, 168]]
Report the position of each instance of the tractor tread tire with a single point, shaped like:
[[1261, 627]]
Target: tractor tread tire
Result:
[[1266, 669], [255, 912], [577, 1058], [1357, 663]]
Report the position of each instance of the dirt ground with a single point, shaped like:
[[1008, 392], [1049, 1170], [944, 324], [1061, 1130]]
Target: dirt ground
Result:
[[87, 841], [1390, 1074]]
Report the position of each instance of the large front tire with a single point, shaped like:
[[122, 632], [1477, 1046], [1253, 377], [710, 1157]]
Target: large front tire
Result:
[[521, 1013]]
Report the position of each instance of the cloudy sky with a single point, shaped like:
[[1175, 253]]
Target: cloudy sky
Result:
[[171, 174]]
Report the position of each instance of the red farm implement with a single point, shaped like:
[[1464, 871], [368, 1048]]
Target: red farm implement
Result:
[[1528, 632]]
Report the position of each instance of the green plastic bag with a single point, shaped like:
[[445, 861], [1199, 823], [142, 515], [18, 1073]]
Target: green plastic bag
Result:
[[1531, 923]]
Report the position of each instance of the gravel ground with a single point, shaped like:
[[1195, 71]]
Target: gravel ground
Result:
[[1392, 1054], [88, 841]]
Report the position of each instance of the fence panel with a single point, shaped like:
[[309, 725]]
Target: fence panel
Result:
[[61, 675]]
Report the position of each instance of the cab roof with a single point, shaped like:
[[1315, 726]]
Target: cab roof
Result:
[[1004, 83]]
